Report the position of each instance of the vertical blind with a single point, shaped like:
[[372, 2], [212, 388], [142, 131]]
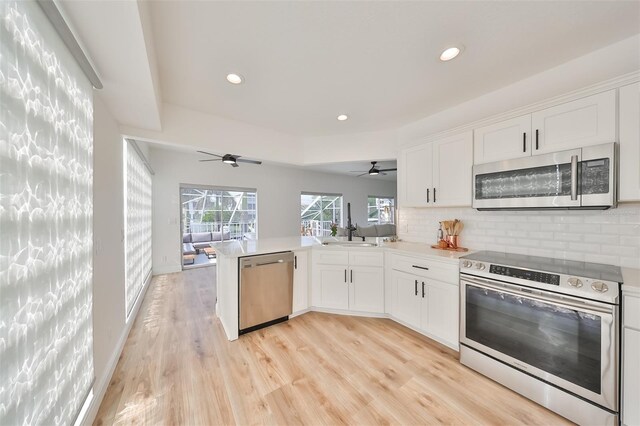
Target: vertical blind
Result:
[[46, 148], [138, 214]]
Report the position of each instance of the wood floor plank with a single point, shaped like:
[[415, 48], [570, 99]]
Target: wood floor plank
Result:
[[178, 368]]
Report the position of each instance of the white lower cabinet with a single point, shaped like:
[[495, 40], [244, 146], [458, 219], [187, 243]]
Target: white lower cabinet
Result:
[[428, 304], [347, 280], [366, 289], [631, 361], [300, 281], [420, 292], [440, 318], [331, 287], [406, 305]]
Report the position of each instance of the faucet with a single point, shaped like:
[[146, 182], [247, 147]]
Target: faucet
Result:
[[350, 227]]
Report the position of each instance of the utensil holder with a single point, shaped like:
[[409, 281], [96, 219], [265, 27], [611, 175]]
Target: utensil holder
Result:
[[452, 240]]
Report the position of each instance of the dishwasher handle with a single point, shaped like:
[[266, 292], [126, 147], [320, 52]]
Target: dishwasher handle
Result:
[[266, 259], [269, 263]]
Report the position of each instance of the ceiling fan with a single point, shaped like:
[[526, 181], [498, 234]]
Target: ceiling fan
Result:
[[231, 159], [374, 171]]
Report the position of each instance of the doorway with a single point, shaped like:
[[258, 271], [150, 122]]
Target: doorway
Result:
[[211, 215]]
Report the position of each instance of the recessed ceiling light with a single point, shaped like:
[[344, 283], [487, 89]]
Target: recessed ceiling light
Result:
[[342, 117], [449, 53], [234, 78]]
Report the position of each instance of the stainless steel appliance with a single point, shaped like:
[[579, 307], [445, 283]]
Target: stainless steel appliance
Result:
[[584, 178], [547, 328], [266, 290]]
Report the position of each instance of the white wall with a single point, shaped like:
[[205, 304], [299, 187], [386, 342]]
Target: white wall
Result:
[[108, 218], [608, 236], [110, 328], [279, 189], [609, 62]]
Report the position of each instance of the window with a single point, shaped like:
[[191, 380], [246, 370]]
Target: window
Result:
[[318, 212], [381, 210], [46, 223], [137, 219], [229, 213]]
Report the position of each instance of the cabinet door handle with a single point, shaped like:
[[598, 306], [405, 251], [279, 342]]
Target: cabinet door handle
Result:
[[434, 195], [423, 289], [427, 195], [345, 275], [537, 137], [295, 262], [416, 287], [524, 142], [351, 275]]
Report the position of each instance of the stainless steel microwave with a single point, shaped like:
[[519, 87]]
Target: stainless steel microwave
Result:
[[584, 178]]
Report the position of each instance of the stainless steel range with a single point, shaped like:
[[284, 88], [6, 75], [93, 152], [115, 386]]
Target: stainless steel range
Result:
[[547, 328]]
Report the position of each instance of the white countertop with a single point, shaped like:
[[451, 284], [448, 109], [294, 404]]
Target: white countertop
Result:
[[272, 245], [631, 281]]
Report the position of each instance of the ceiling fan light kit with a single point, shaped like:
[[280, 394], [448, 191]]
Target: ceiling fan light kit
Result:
[[230, 159]]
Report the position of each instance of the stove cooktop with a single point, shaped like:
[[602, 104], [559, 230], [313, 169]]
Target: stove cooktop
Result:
[[596, 271]]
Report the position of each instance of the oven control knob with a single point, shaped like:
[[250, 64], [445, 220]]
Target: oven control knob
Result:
[[575, 282], [599, 286], [467, 264], [480, 266]]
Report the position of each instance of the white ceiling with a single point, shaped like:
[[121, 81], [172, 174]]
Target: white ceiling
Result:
[[306, 62], [355, 168]]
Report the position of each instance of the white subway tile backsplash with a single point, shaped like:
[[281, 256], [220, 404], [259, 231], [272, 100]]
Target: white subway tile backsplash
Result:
[[609, 236]]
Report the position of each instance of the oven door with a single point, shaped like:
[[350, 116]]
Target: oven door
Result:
[[565, 341]]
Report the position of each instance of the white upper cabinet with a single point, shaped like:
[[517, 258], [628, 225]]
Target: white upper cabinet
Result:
[[583, 122], [437, 174], [629, 143], [502, 141], [416, 174], [452, 163]]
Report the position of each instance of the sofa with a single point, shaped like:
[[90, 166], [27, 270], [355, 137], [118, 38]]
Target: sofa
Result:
[[371, 231], [385, 230], [193, 242]]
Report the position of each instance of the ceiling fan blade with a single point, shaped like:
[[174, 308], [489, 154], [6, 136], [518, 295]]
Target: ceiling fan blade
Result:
[[363, 174], [388, 170], [357, 171], [208, 153], [382, 174], [212, 159], [234, 165], [248, 161]]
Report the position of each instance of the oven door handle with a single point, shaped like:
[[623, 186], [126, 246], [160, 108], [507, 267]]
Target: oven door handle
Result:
[[586, 307]]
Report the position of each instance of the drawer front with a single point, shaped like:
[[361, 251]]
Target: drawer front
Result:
[[448, 273], [331, 257], [631, 309], [366, 258]]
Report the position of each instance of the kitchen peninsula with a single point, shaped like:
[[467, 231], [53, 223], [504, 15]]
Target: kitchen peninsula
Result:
[[377, 278]]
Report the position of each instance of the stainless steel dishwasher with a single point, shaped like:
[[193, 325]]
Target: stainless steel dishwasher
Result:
[[266, 290]]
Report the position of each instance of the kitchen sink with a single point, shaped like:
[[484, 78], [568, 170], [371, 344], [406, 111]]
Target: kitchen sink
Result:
[[349, 244]]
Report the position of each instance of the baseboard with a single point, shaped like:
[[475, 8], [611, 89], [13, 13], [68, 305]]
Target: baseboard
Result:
[[298, 313], [101, 384], [349, 313]]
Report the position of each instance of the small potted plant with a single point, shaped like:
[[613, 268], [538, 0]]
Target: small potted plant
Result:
[[334, 229]]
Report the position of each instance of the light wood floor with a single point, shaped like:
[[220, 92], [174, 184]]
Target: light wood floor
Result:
[[178, 368]]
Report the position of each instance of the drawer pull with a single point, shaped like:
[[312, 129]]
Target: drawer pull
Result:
[[420, 267]]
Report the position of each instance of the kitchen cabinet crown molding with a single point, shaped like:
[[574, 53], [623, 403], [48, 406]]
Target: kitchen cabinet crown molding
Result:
[[613, 83]]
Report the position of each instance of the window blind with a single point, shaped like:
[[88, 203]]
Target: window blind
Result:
[[46, 147], [138, 216]]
